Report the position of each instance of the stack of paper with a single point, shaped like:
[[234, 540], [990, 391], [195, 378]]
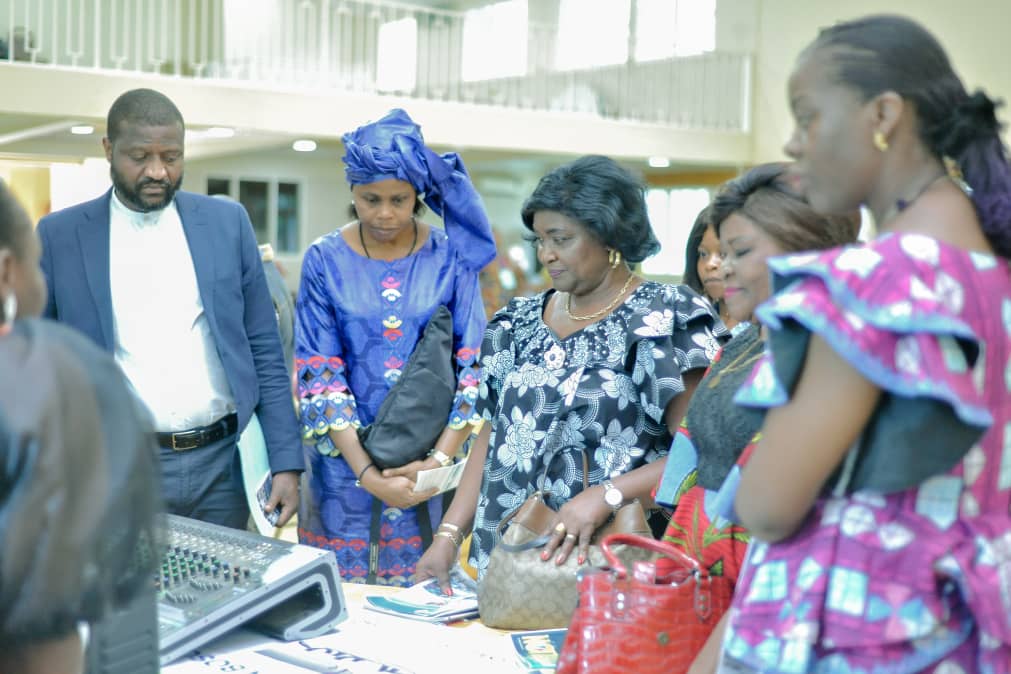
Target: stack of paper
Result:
[[425, 600]]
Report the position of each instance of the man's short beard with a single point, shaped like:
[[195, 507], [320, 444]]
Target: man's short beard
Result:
[[131, 197]]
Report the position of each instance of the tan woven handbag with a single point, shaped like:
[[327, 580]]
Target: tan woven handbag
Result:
[[521, 591]]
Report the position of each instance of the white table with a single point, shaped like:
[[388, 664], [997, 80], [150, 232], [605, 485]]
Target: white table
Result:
[[361, 644]]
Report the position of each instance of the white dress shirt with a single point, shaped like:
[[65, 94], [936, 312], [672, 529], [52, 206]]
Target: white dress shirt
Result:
[[163, 340]]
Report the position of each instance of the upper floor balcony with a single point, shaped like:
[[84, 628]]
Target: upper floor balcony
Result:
[[650, 65]]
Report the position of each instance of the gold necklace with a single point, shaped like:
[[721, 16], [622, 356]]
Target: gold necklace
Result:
[[736, 364], [597, 314]]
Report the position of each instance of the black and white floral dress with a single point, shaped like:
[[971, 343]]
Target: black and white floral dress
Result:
[[602, 389]]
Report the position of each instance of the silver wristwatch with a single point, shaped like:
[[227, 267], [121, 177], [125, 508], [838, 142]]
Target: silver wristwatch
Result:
[[613, 496]]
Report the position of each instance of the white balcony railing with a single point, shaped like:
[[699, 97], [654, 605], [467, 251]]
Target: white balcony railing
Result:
[[375, 47]]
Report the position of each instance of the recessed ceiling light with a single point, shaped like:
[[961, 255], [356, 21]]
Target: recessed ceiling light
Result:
[[303, 145], [82, 129], [220, 132], [659, 162]]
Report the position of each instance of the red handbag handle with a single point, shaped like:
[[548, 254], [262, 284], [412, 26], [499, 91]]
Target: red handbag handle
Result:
[[647, 543]]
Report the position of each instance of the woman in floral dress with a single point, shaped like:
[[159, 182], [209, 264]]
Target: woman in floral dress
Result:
[[878, 496], [602, 363]]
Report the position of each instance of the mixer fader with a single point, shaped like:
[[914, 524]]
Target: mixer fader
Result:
[[213, 579]]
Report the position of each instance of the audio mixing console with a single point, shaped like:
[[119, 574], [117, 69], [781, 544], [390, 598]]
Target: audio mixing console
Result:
[[214, 579]]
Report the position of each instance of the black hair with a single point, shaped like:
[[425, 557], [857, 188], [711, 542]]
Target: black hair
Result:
[[882, 53], [77, 452], [146, 107], [763, 196], [15, 225], [602, 196], [691, 275]]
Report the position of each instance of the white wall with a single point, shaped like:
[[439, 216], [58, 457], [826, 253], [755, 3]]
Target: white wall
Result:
[[974, 32], [326, 194]]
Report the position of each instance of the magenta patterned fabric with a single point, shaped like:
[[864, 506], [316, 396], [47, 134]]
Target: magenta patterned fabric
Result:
[[918, 580]]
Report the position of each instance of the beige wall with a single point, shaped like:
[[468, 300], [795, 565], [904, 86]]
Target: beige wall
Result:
[[30, 184], [974, 32]]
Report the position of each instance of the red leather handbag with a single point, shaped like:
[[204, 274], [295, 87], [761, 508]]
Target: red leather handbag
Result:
[[655, 619]]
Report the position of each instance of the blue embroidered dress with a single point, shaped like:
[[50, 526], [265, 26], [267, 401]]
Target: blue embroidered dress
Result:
[[357, 322], [603, 389]]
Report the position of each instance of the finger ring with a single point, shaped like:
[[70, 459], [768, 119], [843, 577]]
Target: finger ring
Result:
[[572, 536], [560, 528]]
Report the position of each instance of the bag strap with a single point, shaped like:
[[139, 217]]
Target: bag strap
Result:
[[541, 495], [424, 524], [646, 543], [375, 523], [538, 542]]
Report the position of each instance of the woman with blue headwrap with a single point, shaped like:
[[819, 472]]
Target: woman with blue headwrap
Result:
[[368, 290]]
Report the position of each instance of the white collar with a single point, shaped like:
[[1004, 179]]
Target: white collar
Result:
[[136, 218]]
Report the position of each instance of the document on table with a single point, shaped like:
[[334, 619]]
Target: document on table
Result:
[[443, 478], [425, 600]]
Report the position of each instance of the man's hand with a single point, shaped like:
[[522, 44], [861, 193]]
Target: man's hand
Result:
[[283, 493]]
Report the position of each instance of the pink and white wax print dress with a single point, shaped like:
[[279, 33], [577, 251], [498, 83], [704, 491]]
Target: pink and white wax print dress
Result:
[[905, 564]]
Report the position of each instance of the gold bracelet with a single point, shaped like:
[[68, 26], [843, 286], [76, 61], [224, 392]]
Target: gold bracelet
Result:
[[457, 539], [441, 457], [450, 526]]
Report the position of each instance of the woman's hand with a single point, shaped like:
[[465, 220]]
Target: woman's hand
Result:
[[577, 521], [410, 470], [397, 491], [437, 561]]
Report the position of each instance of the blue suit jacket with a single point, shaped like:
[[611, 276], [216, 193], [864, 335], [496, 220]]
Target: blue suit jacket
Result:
[[75, 260]]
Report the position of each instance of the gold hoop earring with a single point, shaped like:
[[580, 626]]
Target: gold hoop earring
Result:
[[880, 141]]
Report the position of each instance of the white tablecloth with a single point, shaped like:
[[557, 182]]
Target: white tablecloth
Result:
[[363, 643]]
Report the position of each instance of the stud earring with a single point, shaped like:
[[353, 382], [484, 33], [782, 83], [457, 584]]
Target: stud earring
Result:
[[10, 312], [880, 141]]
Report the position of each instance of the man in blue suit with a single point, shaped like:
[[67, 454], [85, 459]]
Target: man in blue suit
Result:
[[172, 285]]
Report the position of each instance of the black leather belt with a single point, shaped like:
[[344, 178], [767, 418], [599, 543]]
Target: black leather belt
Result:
[[182, 441]]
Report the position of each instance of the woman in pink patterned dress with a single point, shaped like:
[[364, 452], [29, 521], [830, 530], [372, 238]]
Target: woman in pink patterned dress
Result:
[[884, 544]]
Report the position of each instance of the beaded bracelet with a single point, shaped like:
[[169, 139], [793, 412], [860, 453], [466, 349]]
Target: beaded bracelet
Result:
[[358, 480]]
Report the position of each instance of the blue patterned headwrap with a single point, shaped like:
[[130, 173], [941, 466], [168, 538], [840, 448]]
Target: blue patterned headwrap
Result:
[[393, 147]]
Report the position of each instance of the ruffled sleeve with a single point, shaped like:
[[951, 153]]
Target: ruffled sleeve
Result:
[[893, 313], [325, 401], [675, 332]]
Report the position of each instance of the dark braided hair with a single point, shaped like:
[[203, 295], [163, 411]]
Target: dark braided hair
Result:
[[892, 53]]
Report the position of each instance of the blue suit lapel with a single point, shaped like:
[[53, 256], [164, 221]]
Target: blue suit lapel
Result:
[[199, 238], [93, 236]]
